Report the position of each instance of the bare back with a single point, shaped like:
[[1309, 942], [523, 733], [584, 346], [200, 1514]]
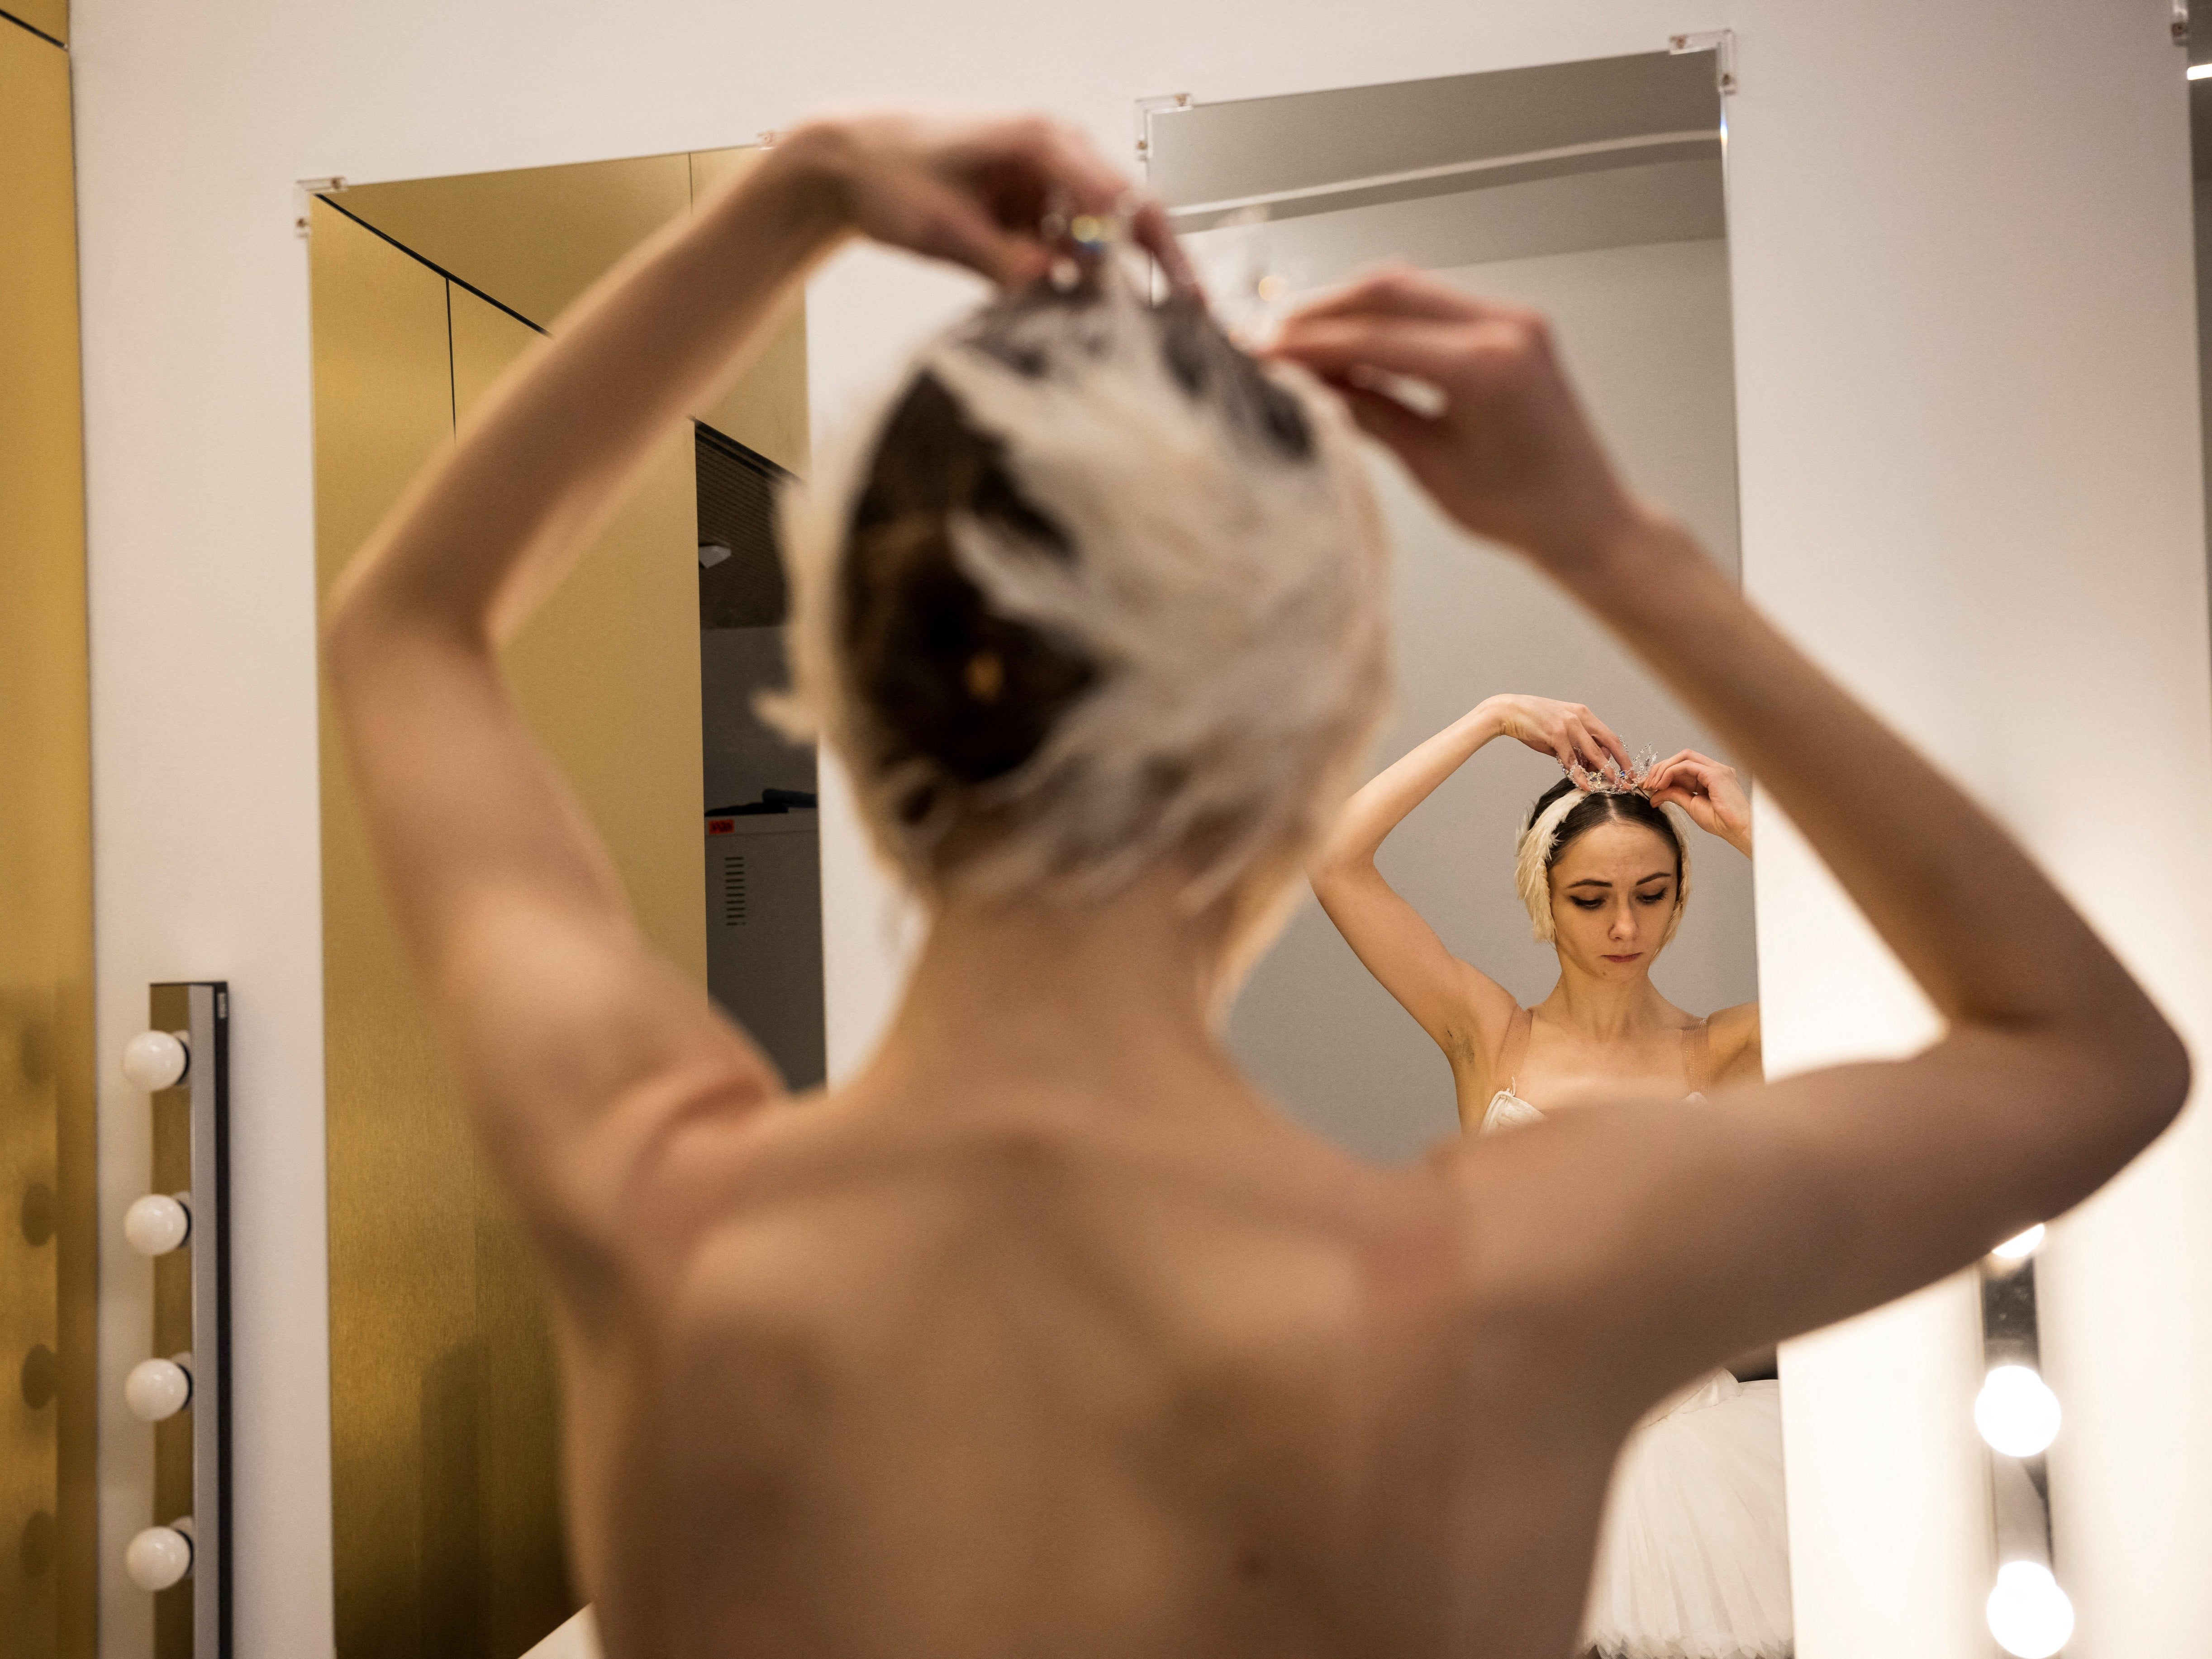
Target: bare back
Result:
[[1019, 1385]]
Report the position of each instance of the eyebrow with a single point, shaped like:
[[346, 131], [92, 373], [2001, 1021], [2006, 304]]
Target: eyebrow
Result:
[[1594, 881]]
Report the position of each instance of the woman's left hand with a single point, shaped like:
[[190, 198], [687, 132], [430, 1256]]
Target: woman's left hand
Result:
[[976, 190], [1709, 792]]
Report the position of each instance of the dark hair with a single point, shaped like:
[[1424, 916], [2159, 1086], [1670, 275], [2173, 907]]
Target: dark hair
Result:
[[953, 682], [1596, 809]]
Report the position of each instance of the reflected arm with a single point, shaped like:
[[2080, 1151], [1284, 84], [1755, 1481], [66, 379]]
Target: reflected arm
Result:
[[1463, 1010]]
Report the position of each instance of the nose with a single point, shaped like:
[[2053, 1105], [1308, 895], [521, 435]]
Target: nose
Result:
[[1624, 924]]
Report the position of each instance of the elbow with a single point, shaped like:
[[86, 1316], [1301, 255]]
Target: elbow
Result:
[[2148, 1072], [1332, 869], [351, 626], [2167, 1073]]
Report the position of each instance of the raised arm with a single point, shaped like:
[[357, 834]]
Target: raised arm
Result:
[[1462, 1009], [1692, 1232], [579, 1050]]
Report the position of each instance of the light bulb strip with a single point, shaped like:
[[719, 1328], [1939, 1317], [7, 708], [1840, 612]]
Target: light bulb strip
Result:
[[186, 1553], [2028, 1613]]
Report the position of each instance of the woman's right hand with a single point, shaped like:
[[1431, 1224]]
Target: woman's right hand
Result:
[[1510, 454], [1567, 732]]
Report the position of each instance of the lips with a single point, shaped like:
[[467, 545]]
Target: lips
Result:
[[1631, 956]]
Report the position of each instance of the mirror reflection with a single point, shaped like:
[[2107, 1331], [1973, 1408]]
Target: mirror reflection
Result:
[[1547, 943]]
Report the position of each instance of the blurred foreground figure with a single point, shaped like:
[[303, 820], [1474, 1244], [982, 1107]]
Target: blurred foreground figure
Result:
[[1044, 1333]]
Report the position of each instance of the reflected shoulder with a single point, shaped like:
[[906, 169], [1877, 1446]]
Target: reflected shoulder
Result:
[[1735, 1043]]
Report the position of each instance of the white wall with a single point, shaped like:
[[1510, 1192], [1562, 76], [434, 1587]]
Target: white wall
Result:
[[1646, 330], [1959, 257]]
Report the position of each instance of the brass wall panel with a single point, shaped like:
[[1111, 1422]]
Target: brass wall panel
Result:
[[765, 408], [535, 238], [47, 16], [48, 1238], [401, 1177], [446, 1523], [608, 671]]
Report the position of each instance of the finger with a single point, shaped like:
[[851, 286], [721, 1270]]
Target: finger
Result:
[[1150, 228], [1587, 748], [1072, 161], [951, 226], [1335, 348], [1605, 735], [1384, 418], [1395, 290]]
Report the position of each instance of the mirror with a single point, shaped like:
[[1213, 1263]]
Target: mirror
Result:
[[639, 677], [1592, 192]]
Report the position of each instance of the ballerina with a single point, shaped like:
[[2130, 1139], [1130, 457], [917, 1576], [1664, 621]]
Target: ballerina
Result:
[[1042, 1331], [1693, 1559]]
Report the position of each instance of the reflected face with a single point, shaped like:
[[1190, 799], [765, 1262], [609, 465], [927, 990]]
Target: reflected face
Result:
[[1612, 895]]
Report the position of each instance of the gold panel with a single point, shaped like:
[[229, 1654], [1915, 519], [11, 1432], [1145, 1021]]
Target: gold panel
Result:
[[401, 1177], [536, 239], [48, 1226], [608, 671], [47, 16], [445, 1459], [489, 229], [765, 408]]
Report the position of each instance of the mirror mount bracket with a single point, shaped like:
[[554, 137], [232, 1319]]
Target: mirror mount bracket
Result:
[[1722, 43]]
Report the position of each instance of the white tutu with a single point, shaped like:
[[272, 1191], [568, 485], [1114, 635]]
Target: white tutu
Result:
[[1693, 1558]]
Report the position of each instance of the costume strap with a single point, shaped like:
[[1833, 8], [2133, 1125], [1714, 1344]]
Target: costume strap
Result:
[[1698, 1056], [1515, 1046]]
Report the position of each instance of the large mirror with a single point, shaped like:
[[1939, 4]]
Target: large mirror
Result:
[[1592, 192]]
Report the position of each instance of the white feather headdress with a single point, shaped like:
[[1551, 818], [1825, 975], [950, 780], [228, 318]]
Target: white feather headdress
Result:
[[1235, 604]]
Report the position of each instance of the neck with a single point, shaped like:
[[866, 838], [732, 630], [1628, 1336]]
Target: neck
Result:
[[1603, 1009], [1104, 1007]]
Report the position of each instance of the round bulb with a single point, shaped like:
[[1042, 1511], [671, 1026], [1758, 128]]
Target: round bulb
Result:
[[2028, 1613], [159, 1557], [155, 1060], [155, 1225], [2019, 1246], [157, 1389], [2016, 1412]]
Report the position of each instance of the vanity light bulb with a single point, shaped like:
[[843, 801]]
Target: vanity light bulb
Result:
[[2028, 1613], [160, 1556], [2016, 1412], [157, 1389], [155, 1060], [155, 1225], [2019, 1246]]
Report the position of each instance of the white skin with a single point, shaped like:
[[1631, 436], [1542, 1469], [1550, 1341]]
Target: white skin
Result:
[[1604, 1026], [1043, 1332]]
